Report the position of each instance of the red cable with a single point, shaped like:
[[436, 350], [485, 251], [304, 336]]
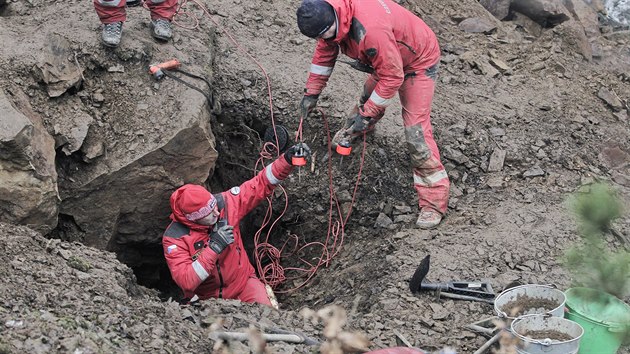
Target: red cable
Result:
[[274, 273]]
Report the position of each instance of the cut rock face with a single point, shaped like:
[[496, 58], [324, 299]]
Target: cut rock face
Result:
[[28, 180]]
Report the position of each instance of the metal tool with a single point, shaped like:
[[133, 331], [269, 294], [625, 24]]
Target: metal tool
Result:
[[461, 290], [157, 70]]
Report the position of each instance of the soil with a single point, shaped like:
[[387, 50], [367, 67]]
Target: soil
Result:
[[553, 335], [503, 227], [529, 305]]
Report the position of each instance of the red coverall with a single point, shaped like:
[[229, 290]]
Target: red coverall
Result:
[[110, 11], [196, 268], [404, 53]]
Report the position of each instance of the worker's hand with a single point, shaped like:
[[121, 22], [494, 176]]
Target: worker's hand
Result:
[[359, 123], [308, 103], [299, 149], [221, 238]]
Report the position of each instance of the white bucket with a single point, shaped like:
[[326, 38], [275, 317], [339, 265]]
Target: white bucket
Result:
[[545, 323], [547, 294]]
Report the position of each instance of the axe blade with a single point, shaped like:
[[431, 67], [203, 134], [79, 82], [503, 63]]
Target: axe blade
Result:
[[419, 275]]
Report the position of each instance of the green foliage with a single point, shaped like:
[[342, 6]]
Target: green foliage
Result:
[[591, 262]]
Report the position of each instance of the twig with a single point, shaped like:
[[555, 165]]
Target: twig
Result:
[[488, 344], [313, 161], [239, 165], [402, 338], [242, 337], [621, 237], [79, 66]]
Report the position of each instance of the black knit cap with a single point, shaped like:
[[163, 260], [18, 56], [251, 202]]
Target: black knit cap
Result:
[[314, 17]]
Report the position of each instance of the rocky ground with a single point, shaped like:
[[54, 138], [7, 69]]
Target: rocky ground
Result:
[[524, 115]]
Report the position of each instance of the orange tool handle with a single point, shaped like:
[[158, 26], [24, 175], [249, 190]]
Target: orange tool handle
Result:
[[167, 65]]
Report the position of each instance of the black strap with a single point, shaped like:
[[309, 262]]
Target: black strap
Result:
[[209, 95], [176, 230], [220, 201]]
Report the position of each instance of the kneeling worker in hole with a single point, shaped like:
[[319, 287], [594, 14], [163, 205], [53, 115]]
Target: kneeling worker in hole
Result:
[[203, 246]]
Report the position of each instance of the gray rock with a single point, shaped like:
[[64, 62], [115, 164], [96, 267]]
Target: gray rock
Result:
[[382, 221], [497, 159], [610, 98], [477, 25], [28, 187], [498, 8], [535, 171], [55, 70]]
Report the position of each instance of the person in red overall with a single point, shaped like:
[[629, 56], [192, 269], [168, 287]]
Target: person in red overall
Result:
[[113, 14], [203, 245], [402, 54]]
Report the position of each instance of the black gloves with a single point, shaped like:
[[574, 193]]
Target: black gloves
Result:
[[359, 123], [299, 149], [307, 104], [221, 238]]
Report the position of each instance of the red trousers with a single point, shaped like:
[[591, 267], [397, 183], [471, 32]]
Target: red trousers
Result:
[[429, 177], [254, 291], [110, 11]]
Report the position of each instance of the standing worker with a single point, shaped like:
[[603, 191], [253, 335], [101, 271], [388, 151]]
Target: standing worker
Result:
[[203, 245], [402, 54], [113, 14]]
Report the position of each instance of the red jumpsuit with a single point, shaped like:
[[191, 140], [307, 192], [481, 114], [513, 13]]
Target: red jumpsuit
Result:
[[404, 53], [110, 11], [196, 268]]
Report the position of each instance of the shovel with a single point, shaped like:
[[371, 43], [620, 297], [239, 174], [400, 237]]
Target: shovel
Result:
[[462, 290]]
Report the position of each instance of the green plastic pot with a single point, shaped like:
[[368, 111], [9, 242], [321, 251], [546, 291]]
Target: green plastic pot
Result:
[[604, 318]]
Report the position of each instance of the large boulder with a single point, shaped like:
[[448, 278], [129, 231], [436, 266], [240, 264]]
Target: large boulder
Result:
[[124, 198], [28, 180], [547, 13], [586, 15], [498, 8]]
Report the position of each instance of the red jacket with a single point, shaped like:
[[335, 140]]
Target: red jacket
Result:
[[379, 33], [194, 266]]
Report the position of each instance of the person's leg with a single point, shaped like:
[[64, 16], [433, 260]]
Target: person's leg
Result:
[[430, 179], [110, 11], [112, 15], [162, 12], [254, 291]]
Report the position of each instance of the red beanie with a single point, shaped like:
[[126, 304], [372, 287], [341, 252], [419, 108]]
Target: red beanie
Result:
[[195, 202]]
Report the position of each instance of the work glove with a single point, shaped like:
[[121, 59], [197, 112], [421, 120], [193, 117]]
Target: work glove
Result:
[[221, 238], [297, 149], [359, 123], [308, 103]]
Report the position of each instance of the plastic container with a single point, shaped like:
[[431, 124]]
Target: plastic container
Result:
[[603, 317], [535, 291], [550, 325]]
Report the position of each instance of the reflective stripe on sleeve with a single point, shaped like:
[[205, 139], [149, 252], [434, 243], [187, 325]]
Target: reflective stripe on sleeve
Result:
[[380, 100], [430, 180], [272, 179], [200, 270], [321, 70]]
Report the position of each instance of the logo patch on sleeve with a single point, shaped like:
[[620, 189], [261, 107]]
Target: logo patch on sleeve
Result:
[[170, 249], [235, 190]]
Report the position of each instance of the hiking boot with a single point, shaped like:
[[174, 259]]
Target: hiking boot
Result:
[[112, 33], [428, 218], [161, 29]]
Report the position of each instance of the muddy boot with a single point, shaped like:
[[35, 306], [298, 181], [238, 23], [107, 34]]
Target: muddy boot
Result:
[[428, 218], [112, 33], [161, 29]]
